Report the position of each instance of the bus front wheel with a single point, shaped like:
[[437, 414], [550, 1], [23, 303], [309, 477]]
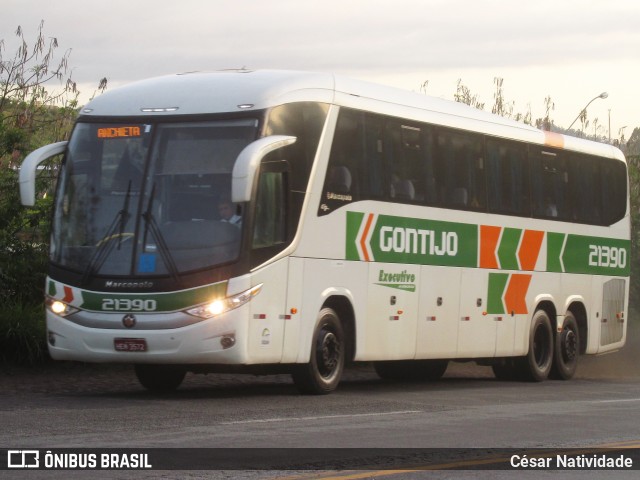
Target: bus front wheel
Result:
[[324, 370], [536, 365], [160, 378]]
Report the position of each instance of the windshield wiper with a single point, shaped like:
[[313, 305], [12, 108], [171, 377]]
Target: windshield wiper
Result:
[[105, 246], [150, 225], [124, 215]]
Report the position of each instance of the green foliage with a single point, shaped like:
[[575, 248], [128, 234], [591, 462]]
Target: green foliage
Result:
[[23, 264], [464, 95], [23, 334], [30, 116], [633, 145], [634, 194], [23, 244]]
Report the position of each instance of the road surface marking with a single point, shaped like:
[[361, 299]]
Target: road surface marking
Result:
[[320, 417]]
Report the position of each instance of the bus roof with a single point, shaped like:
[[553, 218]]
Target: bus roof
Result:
[[246, 90]]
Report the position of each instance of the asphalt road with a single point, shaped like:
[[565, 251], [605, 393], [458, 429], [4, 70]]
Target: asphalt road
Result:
[[73, 406]]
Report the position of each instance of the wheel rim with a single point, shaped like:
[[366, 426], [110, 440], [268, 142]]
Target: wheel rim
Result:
[[569, 345], [328, 353]]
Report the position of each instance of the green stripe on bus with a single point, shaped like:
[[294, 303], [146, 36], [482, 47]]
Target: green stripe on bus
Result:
[[508, 249], [164, 302], [421, 241], [554, 250], [354, 220], [596, 255], [415, 241], [497, 285]]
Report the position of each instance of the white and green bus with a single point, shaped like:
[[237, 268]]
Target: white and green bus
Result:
[[294, 222]]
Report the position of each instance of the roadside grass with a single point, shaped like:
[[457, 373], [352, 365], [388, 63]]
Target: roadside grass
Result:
[[23, 335]]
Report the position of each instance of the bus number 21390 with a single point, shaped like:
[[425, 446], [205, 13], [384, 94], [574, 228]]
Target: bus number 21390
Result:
[[128, 305]]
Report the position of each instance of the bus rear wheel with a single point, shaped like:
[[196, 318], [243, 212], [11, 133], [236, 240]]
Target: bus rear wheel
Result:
[[536, 365], [160, 378], [566, 350], [323, 372]]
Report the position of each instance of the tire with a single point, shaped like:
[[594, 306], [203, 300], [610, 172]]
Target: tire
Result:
[[323, 372], [160, 378], [412, 370], [566, 349], [536, 365]]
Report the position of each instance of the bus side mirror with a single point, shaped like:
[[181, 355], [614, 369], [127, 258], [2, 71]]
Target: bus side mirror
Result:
[[27, 177], [248, 163]]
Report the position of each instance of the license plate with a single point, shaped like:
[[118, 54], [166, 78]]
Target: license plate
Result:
[[130, 344]]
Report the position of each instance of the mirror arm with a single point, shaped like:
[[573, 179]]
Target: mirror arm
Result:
[[27, 177], [248, 163]]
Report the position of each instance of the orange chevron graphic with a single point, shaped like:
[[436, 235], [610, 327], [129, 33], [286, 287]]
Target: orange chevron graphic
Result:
[[514, 296], [68, 295], [363, 239], [489, 237], [530, 249], [497, 248]]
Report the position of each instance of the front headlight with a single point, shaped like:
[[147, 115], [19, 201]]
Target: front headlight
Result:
[[59, 308], [219, 306]]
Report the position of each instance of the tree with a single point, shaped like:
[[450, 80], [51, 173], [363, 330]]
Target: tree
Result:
[[38, 104], [500, 105], [546, 123], [26, 102], [633, 144], [463, 95], [38, 101]]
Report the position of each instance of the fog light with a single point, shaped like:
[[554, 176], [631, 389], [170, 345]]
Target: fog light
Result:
[[52, 338], [228, 341]]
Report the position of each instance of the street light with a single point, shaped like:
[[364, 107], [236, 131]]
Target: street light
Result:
[[603, 95]]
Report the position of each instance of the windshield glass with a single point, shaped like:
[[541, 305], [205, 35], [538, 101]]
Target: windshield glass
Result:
[[147, 200]]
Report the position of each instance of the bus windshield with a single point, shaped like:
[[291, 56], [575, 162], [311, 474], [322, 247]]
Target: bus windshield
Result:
[[145, 200]]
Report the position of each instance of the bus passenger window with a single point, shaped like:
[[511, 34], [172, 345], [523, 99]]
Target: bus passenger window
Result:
[[613, 190], [341, 185], [585, 181], [550, 186], [339, 179], [507, 177], [405, 161], [459, 170]]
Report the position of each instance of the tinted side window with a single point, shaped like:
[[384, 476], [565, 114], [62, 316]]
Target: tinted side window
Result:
[[356, 169], [613, 191], [507, 177], [578, 187], [585, 180], [304, 121], [407, 155], [270, 227], [459, 169], [375, 157], [550, 184]]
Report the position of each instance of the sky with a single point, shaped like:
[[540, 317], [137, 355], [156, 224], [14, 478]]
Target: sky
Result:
[[568, 50]]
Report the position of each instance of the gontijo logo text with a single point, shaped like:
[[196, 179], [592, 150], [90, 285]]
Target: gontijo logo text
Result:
[[384, 238]]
